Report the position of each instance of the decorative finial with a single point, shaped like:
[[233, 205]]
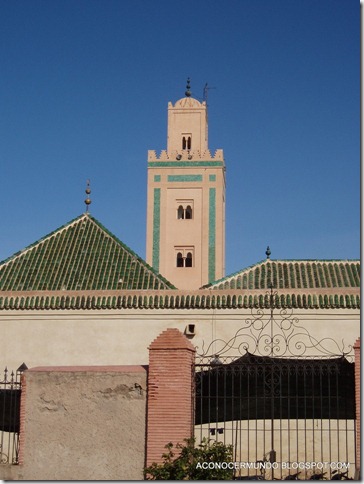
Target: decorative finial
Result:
[[188, 87], [268, 252], [88, 199]]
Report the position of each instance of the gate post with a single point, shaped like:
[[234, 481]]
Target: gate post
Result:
[[170, 412], [357, 400]]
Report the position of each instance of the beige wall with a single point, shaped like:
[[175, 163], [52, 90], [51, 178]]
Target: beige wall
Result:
[[122, 337], [187, 117], [83, 424]]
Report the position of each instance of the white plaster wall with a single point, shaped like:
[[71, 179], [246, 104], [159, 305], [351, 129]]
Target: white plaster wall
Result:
[[122, 337]]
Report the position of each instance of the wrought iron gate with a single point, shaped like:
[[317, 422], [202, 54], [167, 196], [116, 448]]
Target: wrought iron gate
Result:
[[10, 392], [283, 399]]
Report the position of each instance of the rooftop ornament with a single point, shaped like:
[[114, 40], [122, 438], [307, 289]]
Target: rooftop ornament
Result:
[[268, 252], [188, 88], [88, 199]]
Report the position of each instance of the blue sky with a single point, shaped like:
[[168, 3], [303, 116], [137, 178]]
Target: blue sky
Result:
[[84, 91]]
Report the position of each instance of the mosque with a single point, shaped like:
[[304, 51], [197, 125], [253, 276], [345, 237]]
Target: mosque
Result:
[[80, 296]]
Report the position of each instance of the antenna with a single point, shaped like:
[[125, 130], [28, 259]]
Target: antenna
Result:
[[205, 92]]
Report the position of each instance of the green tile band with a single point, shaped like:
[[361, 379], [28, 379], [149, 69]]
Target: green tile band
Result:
[[212, 233], [156, 228], [185, 178]]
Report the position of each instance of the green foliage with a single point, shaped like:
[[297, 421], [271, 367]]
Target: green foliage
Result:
[[188, 462]]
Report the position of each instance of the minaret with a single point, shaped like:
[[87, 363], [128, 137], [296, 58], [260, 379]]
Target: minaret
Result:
[[186, 200]]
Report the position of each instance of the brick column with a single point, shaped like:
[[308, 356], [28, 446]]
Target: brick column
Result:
[[22, 419], [357, 399], [170, 390]]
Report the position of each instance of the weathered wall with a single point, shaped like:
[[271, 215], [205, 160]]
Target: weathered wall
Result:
[[121, 337], [83, 423]]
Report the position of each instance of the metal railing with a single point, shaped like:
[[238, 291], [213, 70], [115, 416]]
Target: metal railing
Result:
[[10, 393]]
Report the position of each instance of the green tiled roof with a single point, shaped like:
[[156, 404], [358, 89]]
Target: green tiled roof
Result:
[[81, 255], [176, 300], [294, 274]]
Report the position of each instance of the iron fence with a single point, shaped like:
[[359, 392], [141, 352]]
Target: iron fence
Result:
[[281, 398], [10, 393]]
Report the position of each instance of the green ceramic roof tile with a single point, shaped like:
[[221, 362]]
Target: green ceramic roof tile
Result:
[[294, 274], [82, 255], [166, 300]]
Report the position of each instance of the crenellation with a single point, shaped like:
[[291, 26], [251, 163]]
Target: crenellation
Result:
[[186, 155], [152, 155]]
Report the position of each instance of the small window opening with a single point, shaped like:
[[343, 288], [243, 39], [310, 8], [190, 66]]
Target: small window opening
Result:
[[184, 257], [179, 260], [180, 212], [188, 212], [189, 260], [184, 212], [186, 142]]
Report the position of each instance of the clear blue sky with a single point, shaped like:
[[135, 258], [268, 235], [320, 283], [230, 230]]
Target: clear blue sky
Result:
[[84, 91]]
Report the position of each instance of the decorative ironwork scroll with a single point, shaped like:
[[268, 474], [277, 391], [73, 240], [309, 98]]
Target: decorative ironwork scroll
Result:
[[275, 390], [274, 335]]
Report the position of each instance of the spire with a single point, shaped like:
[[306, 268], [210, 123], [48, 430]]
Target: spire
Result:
[[88, 199], [188, 88], [268, 252]]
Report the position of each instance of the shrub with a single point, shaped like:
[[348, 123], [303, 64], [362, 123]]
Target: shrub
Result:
[[192, 463]]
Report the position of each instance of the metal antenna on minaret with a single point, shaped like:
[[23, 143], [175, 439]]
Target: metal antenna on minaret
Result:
[[88, 199], [205, 92]]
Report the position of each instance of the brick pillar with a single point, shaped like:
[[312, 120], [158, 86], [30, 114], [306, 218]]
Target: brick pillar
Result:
[[170, 389], [357, 399], [22, 419]]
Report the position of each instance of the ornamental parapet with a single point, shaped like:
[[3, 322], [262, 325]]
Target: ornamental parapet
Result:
[[177, 299], [185, 155]]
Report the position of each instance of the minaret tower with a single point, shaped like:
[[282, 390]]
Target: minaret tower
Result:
[[186, 200]]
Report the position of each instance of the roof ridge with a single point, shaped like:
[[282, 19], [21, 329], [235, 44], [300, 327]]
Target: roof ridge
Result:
[[140, 259], [42, 239], [109, 260], [225, 278]]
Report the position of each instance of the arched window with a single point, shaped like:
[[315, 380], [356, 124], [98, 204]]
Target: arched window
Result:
[[179, 260], [186, 141], [180, 212], [184, 256], [188, 212], [189, 260], [184, 211]]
